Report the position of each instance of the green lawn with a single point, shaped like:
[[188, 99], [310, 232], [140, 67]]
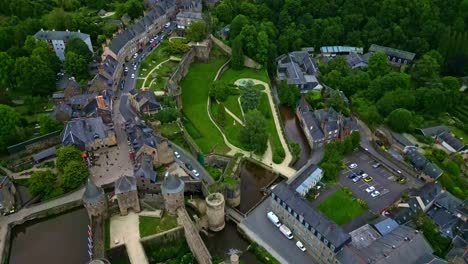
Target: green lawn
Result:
[[232, 104], [340, 207], [277, 148], [195, 88], [169, 129], [139, 83], [231, 75], [153, 225], [157, 56], [459, 134], [231, 127]]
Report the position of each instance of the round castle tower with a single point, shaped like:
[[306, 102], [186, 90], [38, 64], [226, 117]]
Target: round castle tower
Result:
[[95, 200], [215, 211], [172, 190]]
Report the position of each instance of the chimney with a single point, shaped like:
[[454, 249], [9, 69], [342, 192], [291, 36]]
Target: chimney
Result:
[[79, 31], [66, 30], [42, 30]]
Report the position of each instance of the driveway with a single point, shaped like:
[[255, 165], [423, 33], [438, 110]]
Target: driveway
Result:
[[257, 226]]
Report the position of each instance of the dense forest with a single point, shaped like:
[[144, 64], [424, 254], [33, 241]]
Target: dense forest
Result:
[[271, 27]]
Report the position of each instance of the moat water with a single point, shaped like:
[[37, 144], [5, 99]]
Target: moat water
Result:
[[254, 179], [57, 240], [229, 240], [295, 134]]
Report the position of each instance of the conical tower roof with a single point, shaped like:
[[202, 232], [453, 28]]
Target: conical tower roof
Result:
[[172, 183], [92, 192]]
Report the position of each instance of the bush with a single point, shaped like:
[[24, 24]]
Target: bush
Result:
[[67, 154], [261, 254], [362, 203]]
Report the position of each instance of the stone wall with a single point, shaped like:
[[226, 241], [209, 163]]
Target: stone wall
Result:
[[215, 211], [248, 62], [128, 200], [216, 160], [175, 233], [192, 186]]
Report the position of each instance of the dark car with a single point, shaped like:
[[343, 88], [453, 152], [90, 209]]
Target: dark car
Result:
[[352, 176], [189, 167], [360, 172]]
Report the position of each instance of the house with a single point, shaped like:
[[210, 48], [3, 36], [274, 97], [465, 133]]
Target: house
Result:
[[144, 172], [340, 50], [144, 141], [58, 40], [447, 213], [321, 236], [100, 106], [391, 244], [394, 56], [299, 68], [323, 126], [88, 134], [125, 189], [444, 137], [7, 195], [144, 101], [185, 18], [78, 102], [459, 251], [189, 5], [306, 178], [44, 155], [62, 112], [356, 61], [70, 89], [429, 171]]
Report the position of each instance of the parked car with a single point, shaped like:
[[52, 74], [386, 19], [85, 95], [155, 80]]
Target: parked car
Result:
[[176, 154], [286, 232], [133, 76], [376, 165], [353, 166], [189, 166], [300, 246], [356, 179], [352, 176], [368, 179], [370, 189], [360, 172], [195, 173], [274, 219], [364, 175], [375, 194], [167, 25]]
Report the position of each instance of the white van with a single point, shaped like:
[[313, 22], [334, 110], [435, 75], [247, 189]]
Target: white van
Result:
[[167, 25], [285, 230], [274, 219]]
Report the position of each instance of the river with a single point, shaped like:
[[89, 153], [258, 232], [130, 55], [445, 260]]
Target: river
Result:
[[295, 134], [57, 240], [253, 179]]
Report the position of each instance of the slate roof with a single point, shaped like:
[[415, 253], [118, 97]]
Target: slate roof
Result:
[[125, 184], [147, 99], [60, 35], [191, 15], [355, 60], [327, 228], [454, 142], [47, 153], [392, 52], [446, 221], [84, 130], [303, 177], [434, 131], [298, 68], [81, 99], [422, 164], [92, 192], [340, 49], [401, 139], [459, 249], [144, 168], [140, 135], [172, 184], [62, 108], [402, 245], [312, 125], [385, 225]]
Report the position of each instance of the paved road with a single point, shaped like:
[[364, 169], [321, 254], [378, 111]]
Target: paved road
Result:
[[268, 236], [366, 138]]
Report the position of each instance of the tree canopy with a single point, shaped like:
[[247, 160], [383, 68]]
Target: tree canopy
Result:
[[42, 183], [9, 120], [197, 31], [67, 154], [253, 135], [74, 174], [399, 120]]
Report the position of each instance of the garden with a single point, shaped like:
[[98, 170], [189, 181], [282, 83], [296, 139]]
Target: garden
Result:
[[342, 206], [170, 252], [153, 225]]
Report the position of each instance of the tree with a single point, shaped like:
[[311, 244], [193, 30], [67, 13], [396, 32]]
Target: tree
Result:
[[76, 65], [333, 79], [74, 174], [426, 71], [177, 48], [355, 139], [221, 117], [78, 46], [378, 65], [399, 120], [66, 155], [249, 39], [134, 8], [42, 183], [220, 91], [253, 136], [396, 99], [33, 76], [392, 81], [237, 25], [9, 119], [197, 31], [250, 98], [262, 47], [6, 78], [355, 82], [237, 59], [288, 94], [167, 115], [48, 124], [224, 12]]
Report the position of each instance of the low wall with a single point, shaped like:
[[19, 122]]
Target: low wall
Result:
[[248, 62], [152, 188], [169, 235], [216, 160]]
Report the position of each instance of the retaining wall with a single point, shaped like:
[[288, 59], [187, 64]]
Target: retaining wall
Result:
[[248, 62]]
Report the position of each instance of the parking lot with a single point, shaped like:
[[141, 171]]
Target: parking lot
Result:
[[383, 181]]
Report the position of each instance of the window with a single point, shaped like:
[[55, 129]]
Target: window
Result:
[[332, 247], [301, 219], [319, 235], [289, 209], [325, 241], [295, 214], [307, 225], [273, 195]]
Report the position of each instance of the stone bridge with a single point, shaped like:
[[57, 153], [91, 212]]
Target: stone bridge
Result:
[[193, 238], [234, 215]]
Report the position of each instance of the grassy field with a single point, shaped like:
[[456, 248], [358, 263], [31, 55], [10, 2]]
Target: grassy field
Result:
[[233, 105], [340, 207], [459, 134], [152, 225], [169, 129], [231, 75], [195, 88], [231, 127], [157, 56]]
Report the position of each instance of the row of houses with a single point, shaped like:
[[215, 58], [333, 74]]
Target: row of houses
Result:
[[300, 68], [322, 126], [383, 240]]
